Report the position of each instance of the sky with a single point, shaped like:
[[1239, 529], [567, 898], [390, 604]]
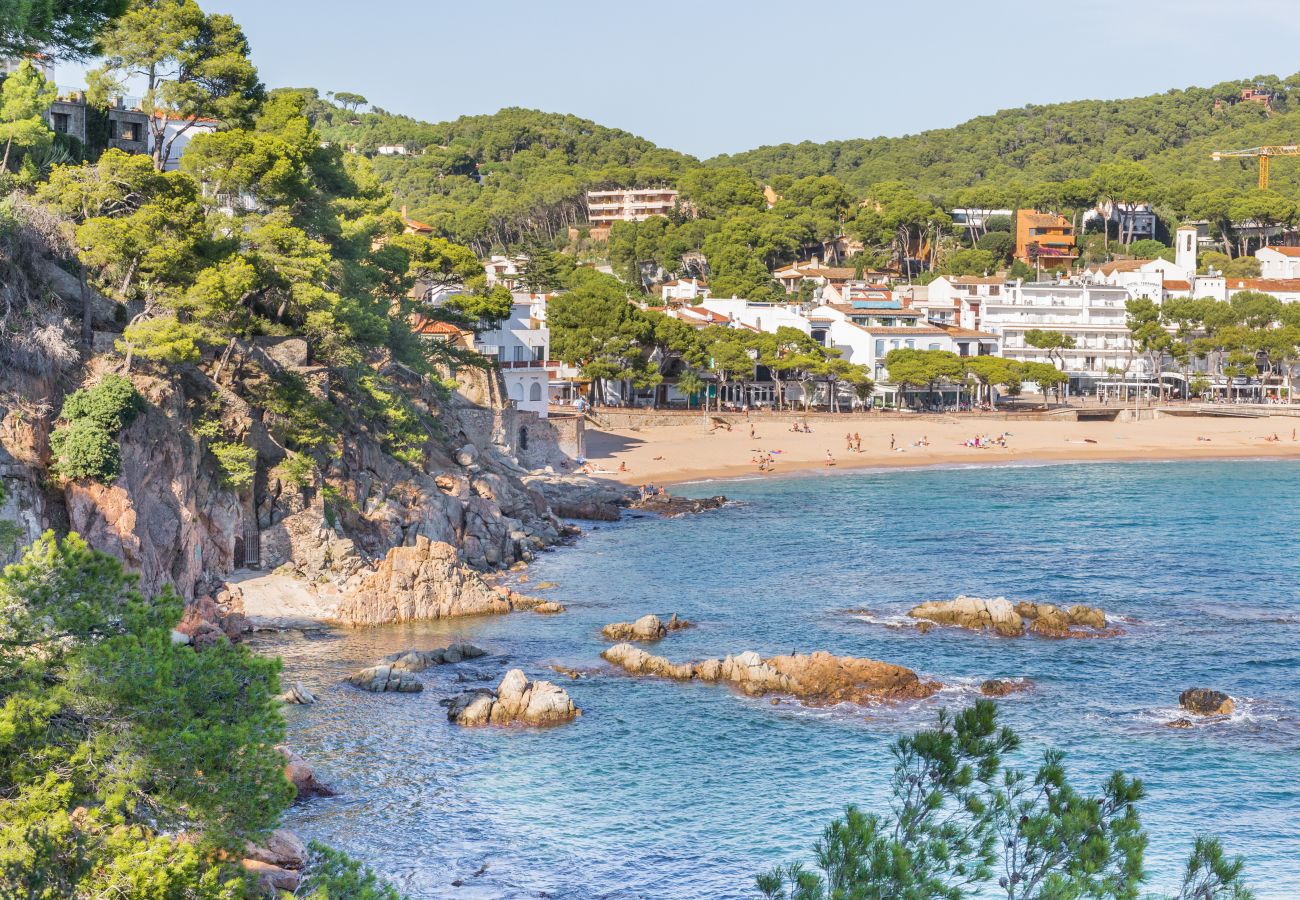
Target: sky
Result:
[[721, 76]]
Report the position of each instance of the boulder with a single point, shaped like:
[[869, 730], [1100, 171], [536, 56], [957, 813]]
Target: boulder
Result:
[[819, 677], [271, 879], [385, 678], [297, 694], [301, 776], [418, 660], [282, 848], [1206, 702], [998, 687], [516, 700], [647, 628], [1050, 620], [550, 607], [1180, 723]]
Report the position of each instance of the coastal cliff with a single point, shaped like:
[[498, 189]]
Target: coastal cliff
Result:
[[398, 535]]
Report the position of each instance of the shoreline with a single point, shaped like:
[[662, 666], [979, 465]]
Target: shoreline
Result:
[[679, 455]]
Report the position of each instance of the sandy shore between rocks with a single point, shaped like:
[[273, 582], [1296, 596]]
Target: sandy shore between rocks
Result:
[[672, 454]]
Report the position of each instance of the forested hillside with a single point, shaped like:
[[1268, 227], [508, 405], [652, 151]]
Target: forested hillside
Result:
[[1172, 133], [499, 180]]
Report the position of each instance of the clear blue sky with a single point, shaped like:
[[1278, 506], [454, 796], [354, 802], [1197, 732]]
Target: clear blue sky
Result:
[[714, 76]]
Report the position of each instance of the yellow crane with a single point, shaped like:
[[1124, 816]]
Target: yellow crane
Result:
[[1262, 154]]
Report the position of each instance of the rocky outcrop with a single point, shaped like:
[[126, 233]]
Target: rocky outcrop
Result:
[[550, 607], [277, 862], [1206, 702], [670, 505], [516, 700], [647, 628], [418, 660], [819, 677], [297, 694], [999, 615], [579, 497], [425, 581], [1000, 687], [301, 776], [386, 679], [209, 621]]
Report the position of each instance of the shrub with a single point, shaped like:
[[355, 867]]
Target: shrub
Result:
[[298, 469], [163, 340], [84, 449], [334, 875], [238, 463], [113, 404]]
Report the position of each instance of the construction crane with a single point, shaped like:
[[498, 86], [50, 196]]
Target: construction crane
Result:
[[1260, 153]]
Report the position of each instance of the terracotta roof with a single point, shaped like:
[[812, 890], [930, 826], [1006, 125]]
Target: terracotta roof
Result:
[[975, 279], [958, 332], [708, 314], [1267, 285], [1286, 251], [1177, 285], [1122, 265], [432, 326], [856, 311]]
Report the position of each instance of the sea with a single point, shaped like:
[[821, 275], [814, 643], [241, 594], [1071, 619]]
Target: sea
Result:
[[668, 790]]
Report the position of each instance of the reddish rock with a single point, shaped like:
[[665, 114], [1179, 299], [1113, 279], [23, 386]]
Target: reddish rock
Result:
[[271, 879], [302, 777]]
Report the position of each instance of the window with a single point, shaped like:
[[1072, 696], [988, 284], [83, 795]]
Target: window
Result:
[[520, 353], [535, 392], [62, 122], [936, 347], [539, 354], [911, 344], [880, 347]]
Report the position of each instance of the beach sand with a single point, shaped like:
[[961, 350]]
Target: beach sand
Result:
[[671, 454]]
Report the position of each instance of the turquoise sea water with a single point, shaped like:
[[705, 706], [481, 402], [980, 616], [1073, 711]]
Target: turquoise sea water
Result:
[[676, 791]]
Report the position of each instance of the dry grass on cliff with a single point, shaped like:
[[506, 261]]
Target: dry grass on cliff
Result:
[[34, 332]]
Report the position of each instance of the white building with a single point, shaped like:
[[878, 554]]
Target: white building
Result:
[[505, 270], [1278, 262], [520, 346], [1139, 219], [391, 150], [177, 134], [684, 290], [607, 207]]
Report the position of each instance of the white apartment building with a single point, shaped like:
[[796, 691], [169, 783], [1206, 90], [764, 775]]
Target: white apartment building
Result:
[[520, 346], [1094, 315], [607, 207], [684, 290]]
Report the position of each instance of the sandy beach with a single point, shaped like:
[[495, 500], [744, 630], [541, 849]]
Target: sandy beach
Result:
[[672, 454]]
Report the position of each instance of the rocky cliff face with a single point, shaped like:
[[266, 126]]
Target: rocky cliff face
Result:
[[399, 541]]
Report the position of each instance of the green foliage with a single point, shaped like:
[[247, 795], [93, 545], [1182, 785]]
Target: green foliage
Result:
[[192, 66], [164, 340], [24, 98], [83, 449], [401, 430], [112, 736], [1149, 249], [112, 403], [959, 819], [238, 463], [299, 469], [294, 414], [63, 28], [335, 876], [85, 445]]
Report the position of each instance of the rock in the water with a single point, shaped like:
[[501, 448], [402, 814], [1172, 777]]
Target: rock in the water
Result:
[[818, 677], [580, 497], [386, 678], [550, 607], [516, 700], [418, 660], [544, 585], [647, 628], [670, 505], [302, 777], [1180, 723], [1206, 702], [999, 615], [297, 694], [999, 687]]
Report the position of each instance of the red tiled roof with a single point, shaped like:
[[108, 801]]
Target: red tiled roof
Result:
[[1175, 285], [1122, 265], [958, 332], [1286, 251], [975, 279], [434, 326], [1267, 285]]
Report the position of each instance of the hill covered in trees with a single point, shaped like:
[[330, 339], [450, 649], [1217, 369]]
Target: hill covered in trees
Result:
[[500, 180], [1171, 133]]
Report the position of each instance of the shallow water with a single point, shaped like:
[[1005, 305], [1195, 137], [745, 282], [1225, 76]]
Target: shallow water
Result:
[[670, 790]]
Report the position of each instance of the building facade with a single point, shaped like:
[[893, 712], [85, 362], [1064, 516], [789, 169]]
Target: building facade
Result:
[[607, 207]]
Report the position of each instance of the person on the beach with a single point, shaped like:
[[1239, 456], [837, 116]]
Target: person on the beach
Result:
[[830, 460], [857, 442], [891, 442], [751, 432], [848, 442], [622, 466]]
